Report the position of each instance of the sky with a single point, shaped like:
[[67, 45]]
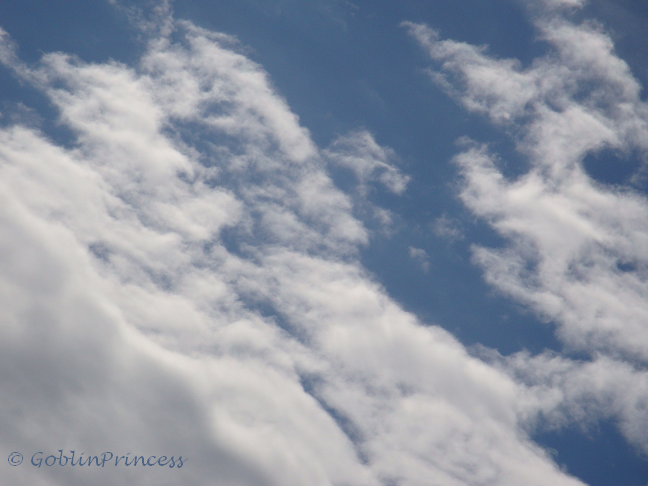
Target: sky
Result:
[[324, 243]]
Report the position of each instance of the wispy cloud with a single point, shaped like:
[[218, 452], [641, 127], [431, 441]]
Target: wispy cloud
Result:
[[184, 279], [446, 227], [576, 248], [369, 161], [421, 257]]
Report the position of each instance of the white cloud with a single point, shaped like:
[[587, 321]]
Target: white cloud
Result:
[[185, 280], [421, 257], [445, 227], [585, 392], [371, 164], [368, 160], [576, 248]]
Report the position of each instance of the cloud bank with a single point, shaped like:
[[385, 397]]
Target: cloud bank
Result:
[[183, 278]]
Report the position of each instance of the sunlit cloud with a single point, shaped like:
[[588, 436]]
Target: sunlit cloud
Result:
[[184, 278], [575, 247]]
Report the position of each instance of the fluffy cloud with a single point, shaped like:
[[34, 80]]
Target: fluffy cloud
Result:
[[576, 248], [183, 279]]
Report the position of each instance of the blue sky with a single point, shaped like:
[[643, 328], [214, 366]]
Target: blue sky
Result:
[[328, 242]]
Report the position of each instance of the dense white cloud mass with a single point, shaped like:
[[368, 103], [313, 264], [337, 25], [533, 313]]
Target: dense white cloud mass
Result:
[[183, 280], [577, 249]]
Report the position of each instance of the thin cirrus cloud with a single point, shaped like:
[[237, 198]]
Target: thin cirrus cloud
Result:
[[576, 248], [184, 279]]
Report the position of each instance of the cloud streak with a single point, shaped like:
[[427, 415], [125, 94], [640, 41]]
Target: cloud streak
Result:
[[576, 248]]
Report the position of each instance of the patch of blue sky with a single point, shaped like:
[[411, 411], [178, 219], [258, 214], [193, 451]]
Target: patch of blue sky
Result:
[[95, 31], [597, 454]]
